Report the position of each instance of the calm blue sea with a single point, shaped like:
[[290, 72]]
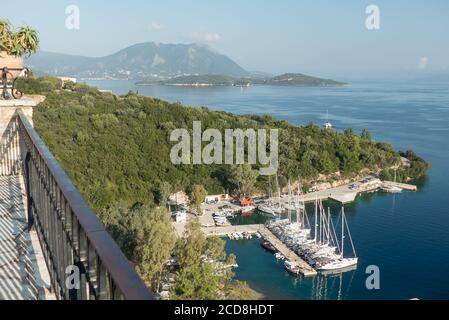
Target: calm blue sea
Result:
[[406, 235]]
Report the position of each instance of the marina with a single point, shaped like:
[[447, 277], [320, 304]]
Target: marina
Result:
[[306, 248]]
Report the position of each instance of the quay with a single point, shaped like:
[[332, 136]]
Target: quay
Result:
[[347, 193], [305, 269], [403, 186], [224, 231]]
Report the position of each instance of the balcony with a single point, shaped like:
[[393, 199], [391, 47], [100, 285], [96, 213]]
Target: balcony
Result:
[[52, 246]]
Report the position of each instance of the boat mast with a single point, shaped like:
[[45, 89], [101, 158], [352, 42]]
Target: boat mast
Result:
[[279, 192], [334, 236], [328, 226], [289, 201], [342, 232], [350, 237], [316, 220]]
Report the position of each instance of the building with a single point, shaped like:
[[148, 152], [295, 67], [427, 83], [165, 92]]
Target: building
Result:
[[180, 216], [217, 198]]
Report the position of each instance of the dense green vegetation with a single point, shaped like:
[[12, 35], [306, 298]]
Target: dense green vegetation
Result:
[[298, 79], [288, 79]]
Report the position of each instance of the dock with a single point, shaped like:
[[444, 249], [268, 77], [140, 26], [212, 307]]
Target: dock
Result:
[[224, 231], [348, 193], [404, 186], [306, 269]]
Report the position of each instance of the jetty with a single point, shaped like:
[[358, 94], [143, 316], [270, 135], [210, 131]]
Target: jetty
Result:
[[224, 231], [348, 193], [404, 186], [305, 269]]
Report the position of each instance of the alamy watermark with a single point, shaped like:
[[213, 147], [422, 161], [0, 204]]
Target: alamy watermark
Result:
[[231, 150], [72, 281], [372, 22], [373, 280], [72, 21]]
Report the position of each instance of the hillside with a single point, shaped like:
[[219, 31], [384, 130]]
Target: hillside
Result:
[[117, 149], [223, 80], [140, 61], [298, 79]]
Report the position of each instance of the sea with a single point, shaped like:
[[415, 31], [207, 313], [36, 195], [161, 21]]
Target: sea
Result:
[[403, 236]]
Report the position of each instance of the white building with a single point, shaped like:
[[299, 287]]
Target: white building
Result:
[[180, 216]]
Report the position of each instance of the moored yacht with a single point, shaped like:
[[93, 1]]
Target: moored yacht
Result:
[[341, 264], [328, 124]]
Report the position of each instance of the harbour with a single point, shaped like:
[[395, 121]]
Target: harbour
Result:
[[306, 248]]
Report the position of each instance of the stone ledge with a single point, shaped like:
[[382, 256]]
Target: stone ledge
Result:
[[23, 102]]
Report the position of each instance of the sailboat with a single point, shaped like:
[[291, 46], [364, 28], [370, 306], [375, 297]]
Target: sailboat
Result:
[[328, 124], [342, 262], [270, 208]]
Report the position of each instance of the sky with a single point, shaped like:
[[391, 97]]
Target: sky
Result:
[[319, 37]]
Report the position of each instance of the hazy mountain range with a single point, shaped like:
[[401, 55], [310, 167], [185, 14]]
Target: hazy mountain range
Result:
[[152, 63], [139, 61]]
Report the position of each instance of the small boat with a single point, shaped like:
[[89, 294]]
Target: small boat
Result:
[[279, 256], [328, 124], [270, 210], [292, 267], [268, 246]]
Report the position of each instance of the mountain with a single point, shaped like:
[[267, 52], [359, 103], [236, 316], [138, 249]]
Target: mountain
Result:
[[140, 61]]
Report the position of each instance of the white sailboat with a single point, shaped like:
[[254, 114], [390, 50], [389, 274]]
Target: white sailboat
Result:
[[342, 262], [270, 208], [328, 124]]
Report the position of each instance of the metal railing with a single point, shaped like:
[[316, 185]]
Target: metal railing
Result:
[[70, 234]]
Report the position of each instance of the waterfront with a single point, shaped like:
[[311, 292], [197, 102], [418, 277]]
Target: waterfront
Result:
[[406, 235]]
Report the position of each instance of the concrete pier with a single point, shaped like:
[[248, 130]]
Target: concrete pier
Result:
[[404, 186], [305, 269], [348, 193]]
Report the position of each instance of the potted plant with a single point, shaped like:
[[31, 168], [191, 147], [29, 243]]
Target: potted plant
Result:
[[15, 44]]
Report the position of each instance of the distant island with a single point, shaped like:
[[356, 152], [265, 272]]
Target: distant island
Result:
[[288, 79]]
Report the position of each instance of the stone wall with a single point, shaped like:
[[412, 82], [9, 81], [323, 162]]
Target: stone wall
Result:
[[9, 107]]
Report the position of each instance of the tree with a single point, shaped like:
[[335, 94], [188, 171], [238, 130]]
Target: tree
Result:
[[191, 246], [122, 224], [239, 290], [155, 243], [164, 192], [244, 179], [204, 266], [146, 237], [197, 196], [366, 135]]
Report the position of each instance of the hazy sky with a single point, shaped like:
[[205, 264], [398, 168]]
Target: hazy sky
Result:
[[324, 38]]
